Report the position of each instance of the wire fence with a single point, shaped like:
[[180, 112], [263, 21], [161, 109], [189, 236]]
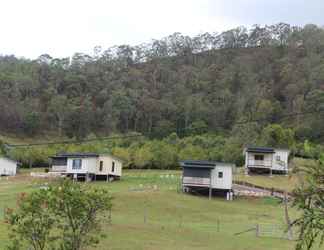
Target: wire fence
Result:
[[153, 182], [173, 222]]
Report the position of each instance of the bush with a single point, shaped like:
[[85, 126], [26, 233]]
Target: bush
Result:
[[43, 219]]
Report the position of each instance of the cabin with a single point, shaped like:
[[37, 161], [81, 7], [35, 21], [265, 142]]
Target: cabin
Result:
[[87, 166], [266, 160], [207, 175], [8, 167]]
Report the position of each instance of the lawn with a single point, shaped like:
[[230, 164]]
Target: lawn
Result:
[[283, 182], [173, 220]]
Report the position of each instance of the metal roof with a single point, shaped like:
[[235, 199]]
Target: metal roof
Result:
[[202, 164], [83, 155], [79, 155], [260, 150]]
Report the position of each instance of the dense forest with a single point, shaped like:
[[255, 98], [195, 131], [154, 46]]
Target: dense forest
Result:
[[245, 85]]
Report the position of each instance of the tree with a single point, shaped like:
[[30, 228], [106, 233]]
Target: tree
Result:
[[32, 223], [31, 123], [3, 149], [192, 152], [143, 156], [59, 107], [78, 209], [64, 215], [309, 200], [275, 135]]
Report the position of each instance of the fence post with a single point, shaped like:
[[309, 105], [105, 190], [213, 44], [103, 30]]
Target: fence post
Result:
[[145, 214], [109, 216], [257, 230], [180, 221]]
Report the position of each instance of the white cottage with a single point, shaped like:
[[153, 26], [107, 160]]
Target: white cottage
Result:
[[208, 175], [88, 166], [8, 167], [266, 160]]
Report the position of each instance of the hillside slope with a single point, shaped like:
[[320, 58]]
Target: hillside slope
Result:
[[174, 83]]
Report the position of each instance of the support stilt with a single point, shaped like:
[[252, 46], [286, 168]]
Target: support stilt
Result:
[[210, 185]]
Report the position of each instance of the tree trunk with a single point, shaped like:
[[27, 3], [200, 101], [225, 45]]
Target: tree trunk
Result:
[[60, 126], [290, 236]]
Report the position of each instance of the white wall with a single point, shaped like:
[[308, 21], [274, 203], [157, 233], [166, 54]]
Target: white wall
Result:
[[92, 165], [89, 165], [7, 167], [280, 160], [107, 166], [226, 181]]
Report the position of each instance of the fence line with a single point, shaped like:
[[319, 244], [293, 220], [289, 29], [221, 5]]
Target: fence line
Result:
[[272, 231], [274, 191], [148, 218]]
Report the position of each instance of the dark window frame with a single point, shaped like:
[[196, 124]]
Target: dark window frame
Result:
[[220, 175], [59, 161], [259, 157], [101, 166], [113, 167]]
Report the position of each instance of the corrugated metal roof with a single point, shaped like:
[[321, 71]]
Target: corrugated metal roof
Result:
[[83, 155], [80, 155], [260, 149], [202, 164]]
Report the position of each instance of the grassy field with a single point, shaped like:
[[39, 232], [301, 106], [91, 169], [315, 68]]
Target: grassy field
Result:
[[287, 183], [174, 220]]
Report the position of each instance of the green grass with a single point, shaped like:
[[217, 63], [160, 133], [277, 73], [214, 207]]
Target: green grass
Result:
[[287, 183], [174, 220]]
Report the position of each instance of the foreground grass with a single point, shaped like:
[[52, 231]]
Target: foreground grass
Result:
[[173, 220]]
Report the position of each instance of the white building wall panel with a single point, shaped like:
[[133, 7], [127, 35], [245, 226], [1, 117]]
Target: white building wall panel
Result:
[[8, 167], [222, 177], [107, 163], [88, 165], [280, 160]]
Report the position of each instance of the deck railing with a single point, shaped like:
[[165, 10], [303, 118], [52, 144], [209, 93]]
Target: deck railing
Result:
[[195, 181], [260, 163]]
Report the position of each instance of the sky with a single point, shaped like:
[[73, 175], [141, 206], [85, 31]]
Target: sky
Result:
[[62, 27]]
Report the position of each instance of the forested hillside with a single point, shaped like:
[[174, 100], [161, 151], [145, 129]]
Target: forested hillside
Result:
[[218, 82]]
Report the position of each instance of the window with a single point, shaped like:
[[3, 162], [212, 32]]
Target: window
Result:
[[259, 157], [77, 164], [113, 167], [278, 157], [101, 166], [220, 175], [58, 161]]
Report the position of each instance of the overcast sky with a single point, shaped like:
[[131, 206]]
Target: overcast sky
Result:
[[62, 27]]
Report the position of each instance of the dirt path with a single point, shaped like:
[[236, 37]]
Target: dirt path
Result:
[[241, 190]]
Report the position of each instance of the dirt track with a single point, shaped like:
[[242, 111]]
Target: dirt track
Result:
[[242, 190]]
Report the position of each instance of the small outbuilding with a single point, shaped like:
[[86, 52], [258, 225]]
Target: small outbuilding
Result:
[[207, 175], [88, 166], [266, 160], [8, 167]]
